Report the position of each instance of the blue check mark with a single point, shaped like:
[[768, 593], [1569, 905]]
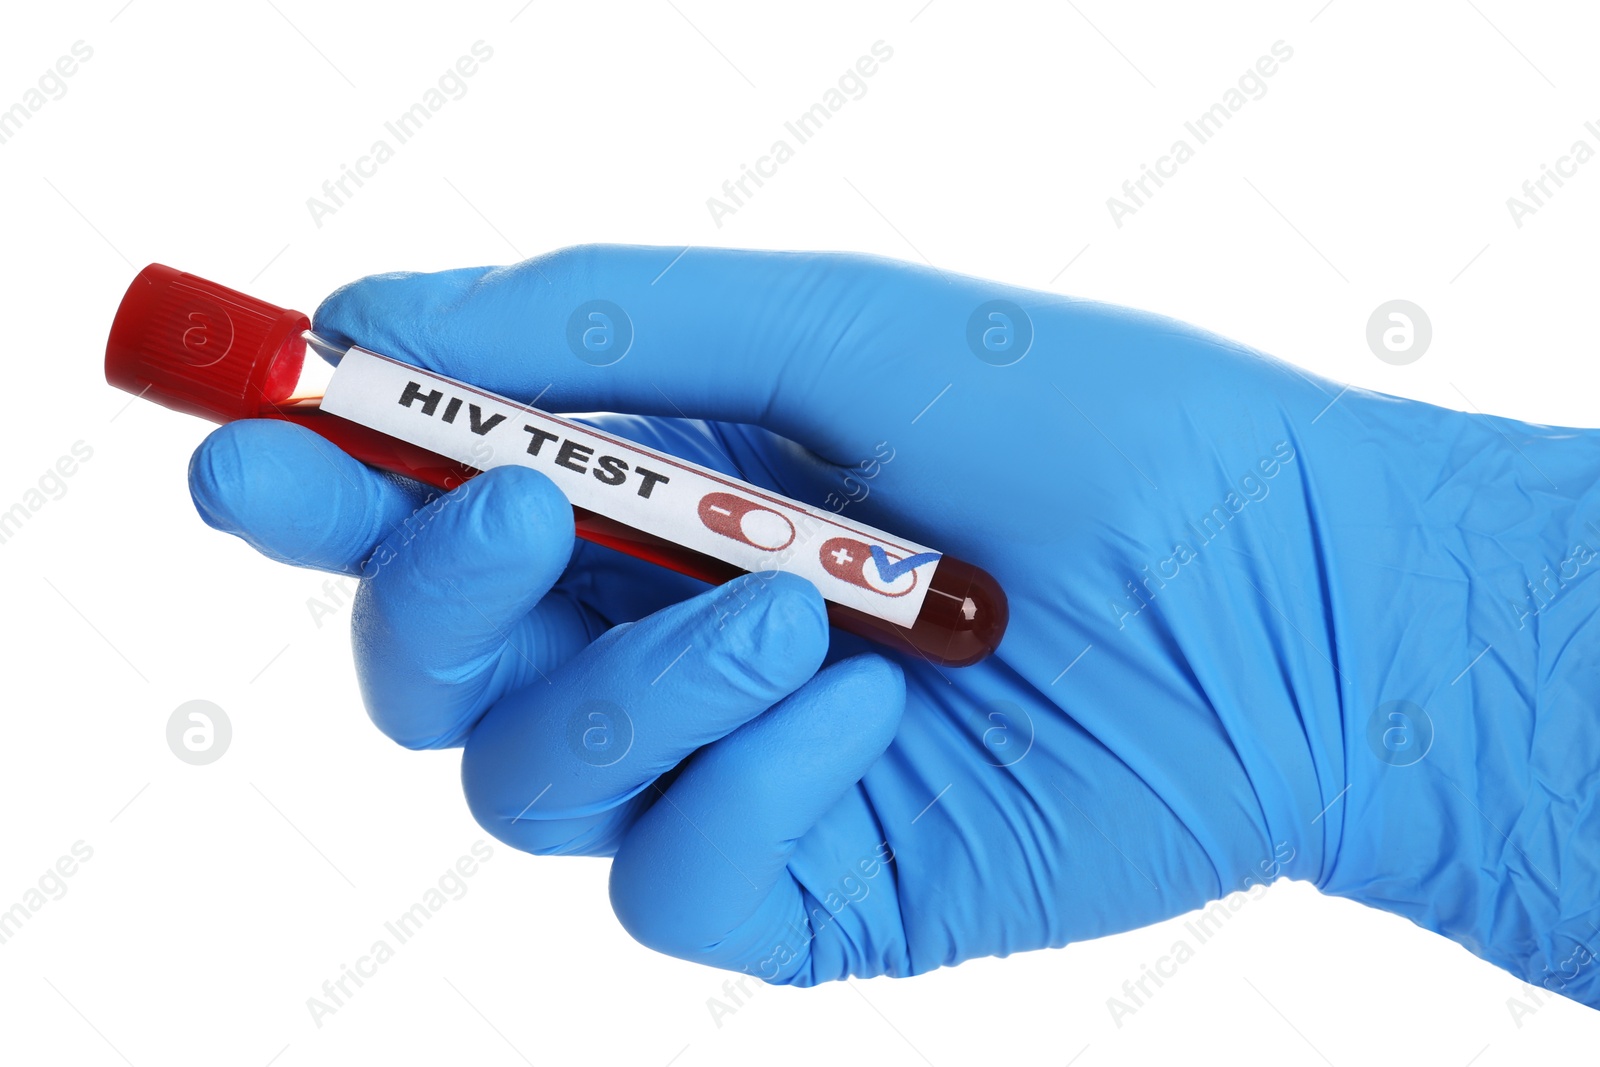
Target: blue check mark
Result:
[[889, 570]]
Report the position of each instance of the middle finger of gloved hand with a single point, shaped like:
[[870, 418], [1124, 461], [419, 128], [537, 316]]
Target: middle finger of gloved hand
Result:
[[564, 767], [453, 609]]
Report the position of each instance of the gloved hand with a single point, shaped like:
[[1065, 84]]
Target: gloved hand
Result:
[[1262, 626]]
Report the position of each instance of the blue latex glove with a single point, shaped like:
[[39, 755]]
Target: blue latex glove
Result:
[[1262, 626]]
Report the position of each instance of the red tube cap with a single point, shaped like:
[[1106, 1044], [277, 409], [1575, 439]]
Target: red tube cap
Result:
[[202, 348]]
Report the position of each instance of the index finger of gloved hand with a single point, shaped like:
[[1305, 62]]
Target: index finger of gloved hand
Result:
[[818, 347], [449, 615], [295, 497], [556, 768]]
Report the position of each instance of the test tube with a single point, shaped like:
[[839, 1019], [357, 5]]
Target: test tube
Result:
[[204, 349]]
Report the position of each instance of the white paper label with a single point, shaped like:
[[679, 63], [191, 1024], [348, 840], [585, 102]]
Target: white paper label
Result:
[[755, 530]]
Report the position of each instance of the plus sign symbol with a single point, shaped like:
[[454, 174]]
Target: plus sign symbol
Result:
[[854, 561]]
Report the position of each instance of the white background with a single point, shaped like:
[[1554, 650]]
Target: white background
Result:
[[219, 898]]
